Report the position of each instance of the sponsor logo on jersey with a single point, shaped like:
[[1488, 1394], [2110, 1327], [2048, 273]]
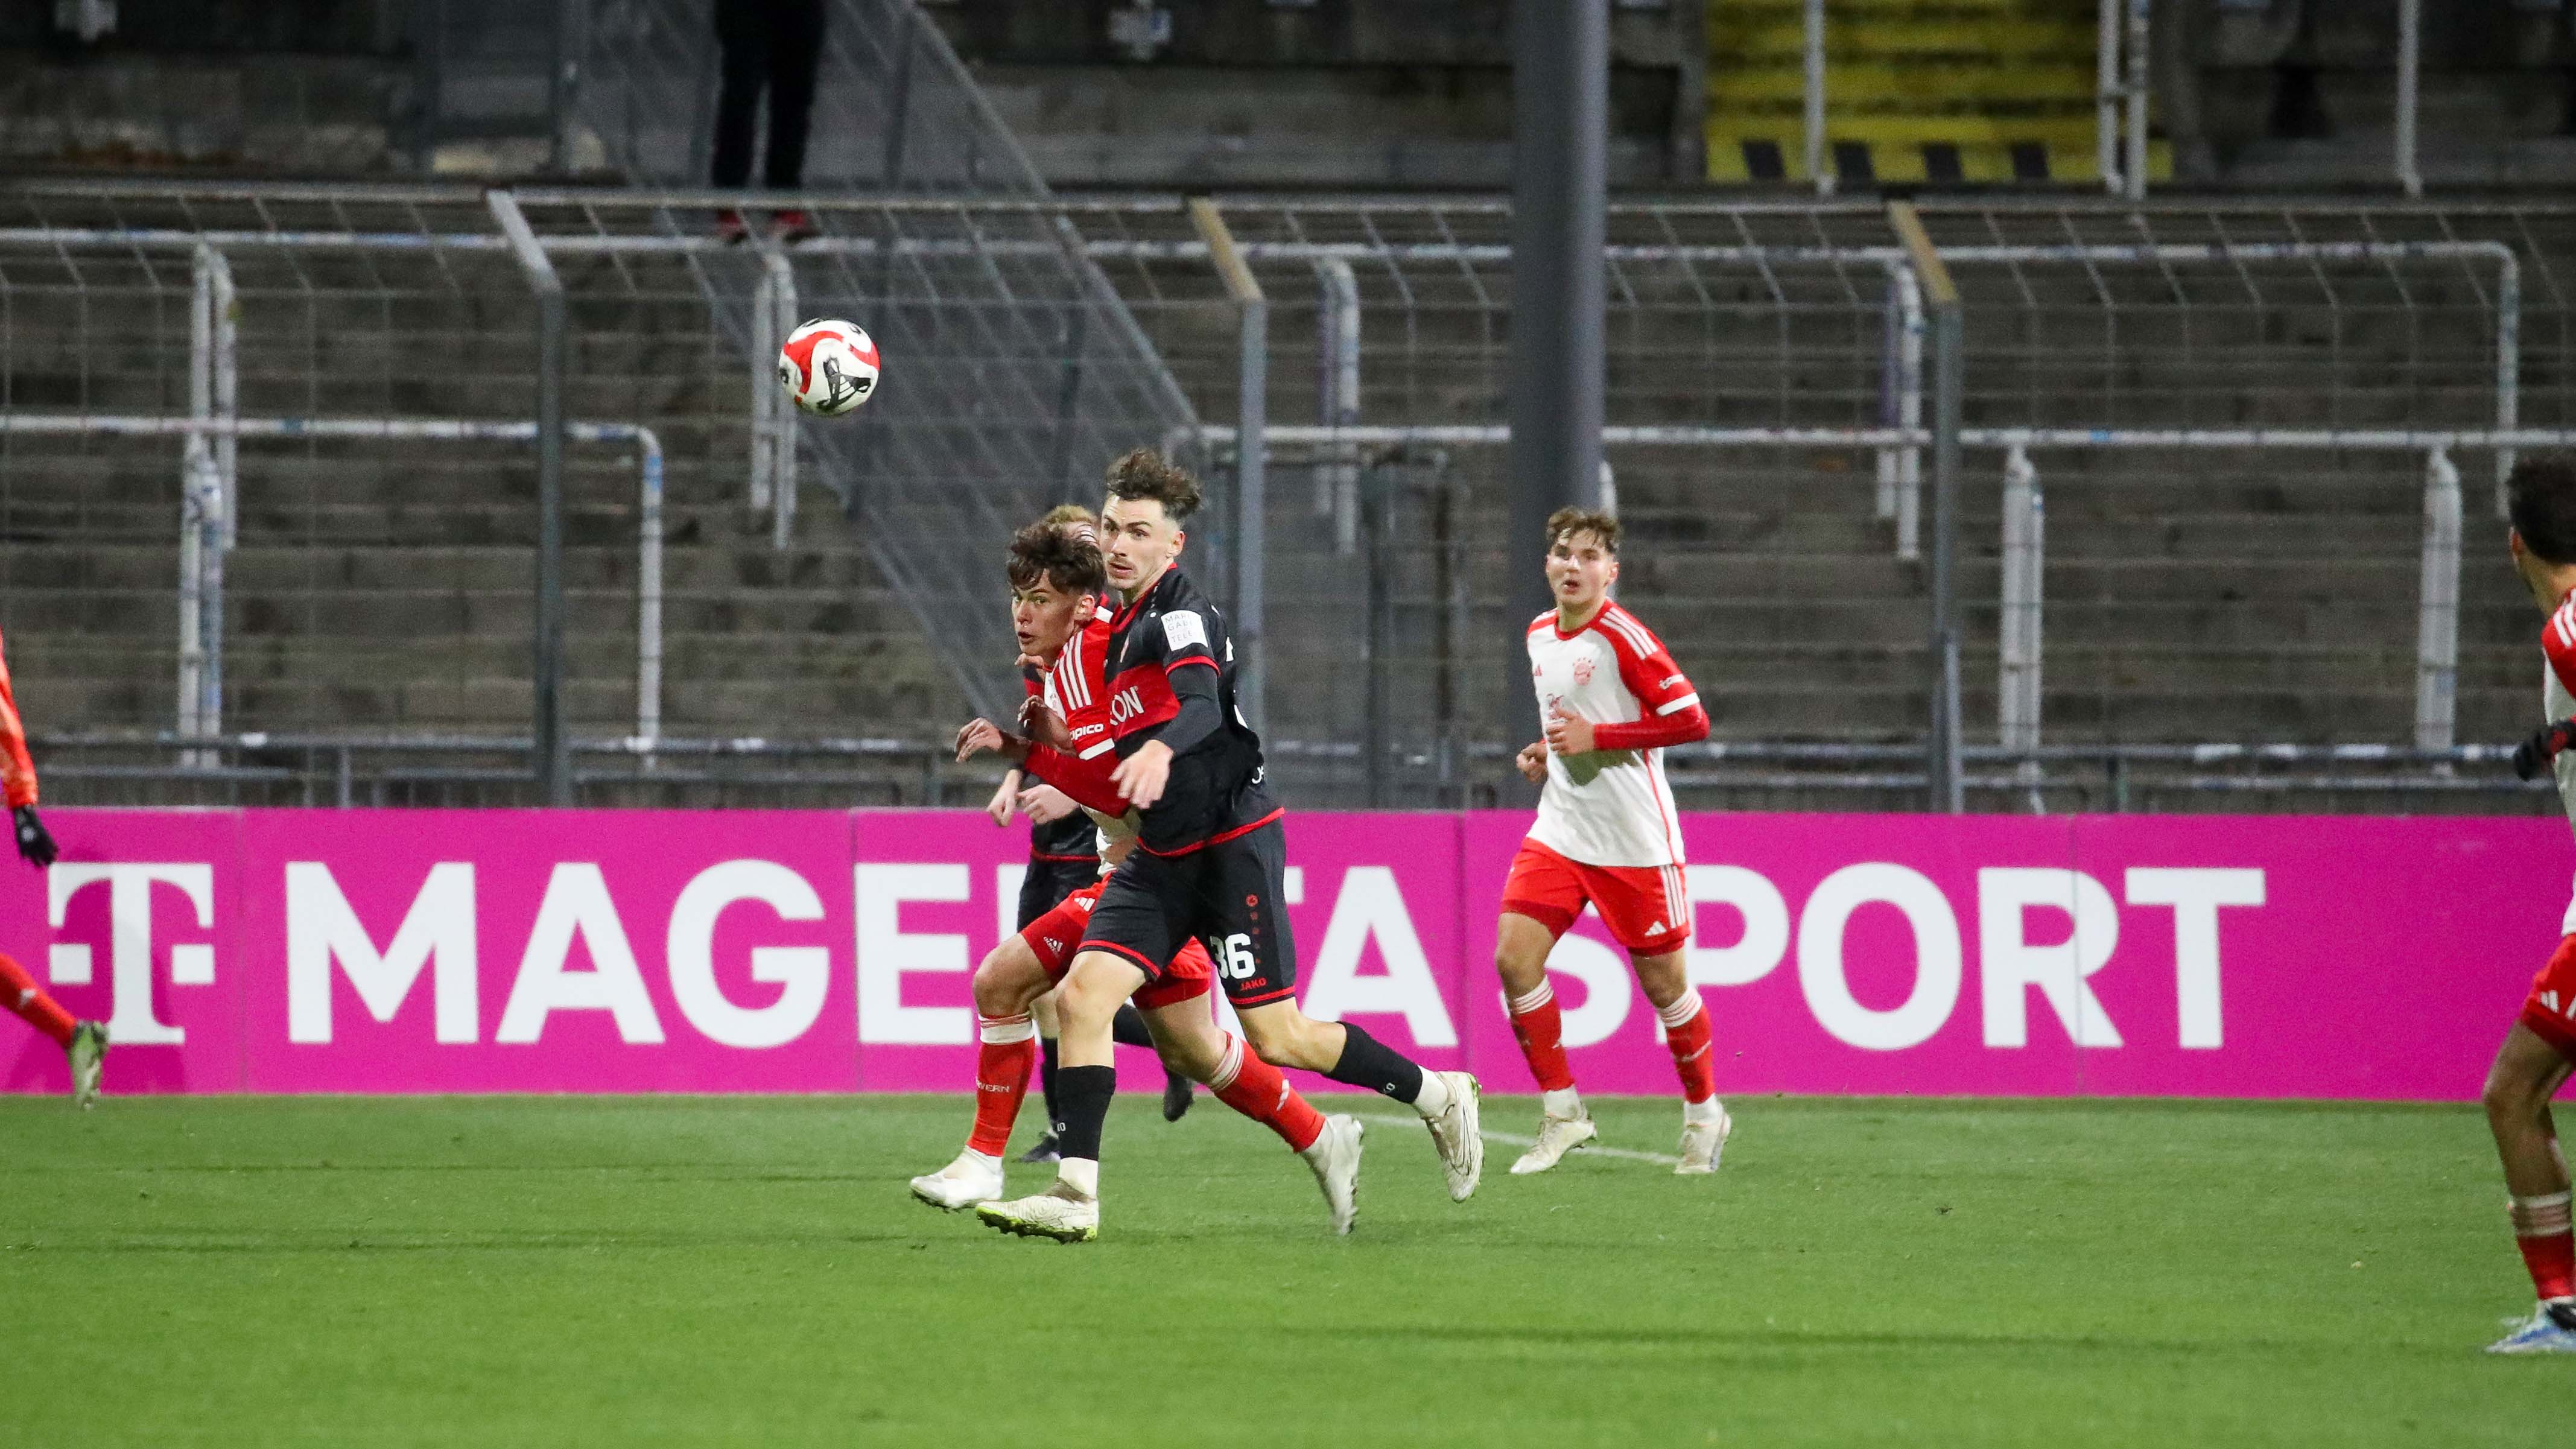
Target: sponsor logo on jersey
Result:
[[1089, 729], [1125, 705], [1669, 681], [1182, 628]]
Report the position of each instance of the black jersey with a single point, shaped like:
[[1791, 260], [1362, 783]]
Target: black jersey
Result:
[[1074, 838], [1215, 788]]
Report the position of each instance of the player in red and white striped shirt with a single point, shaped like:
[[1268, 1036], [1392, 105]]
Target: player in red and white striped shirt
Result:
[[1612, 699]]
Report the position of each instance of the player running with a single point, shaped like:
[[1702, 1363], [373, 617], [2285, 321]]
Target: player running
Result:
[[1064, 858], [1056, 581], [83, 1042], [2540, 1048], [1611, 699], [1209, 865]]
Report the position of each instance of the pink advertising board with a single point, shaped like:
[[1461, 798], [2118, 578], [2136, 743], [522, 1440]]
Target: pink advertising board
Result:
[[819, 951]]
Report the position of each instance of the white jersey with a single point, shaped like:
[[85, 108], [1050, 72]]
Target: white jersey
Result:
[[2558, 645], [1612, 806]]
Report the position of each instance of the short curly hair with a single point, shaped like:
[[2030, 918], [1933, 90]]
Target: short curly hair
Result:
[[1593, 521], [1144, 474], [1044, 551]]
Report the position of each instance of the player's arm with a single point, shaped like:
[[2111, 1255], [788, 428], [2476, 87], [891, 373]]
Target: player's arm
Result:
[[1668, 707], [1005, 797], [18, 781], [1142, 775]]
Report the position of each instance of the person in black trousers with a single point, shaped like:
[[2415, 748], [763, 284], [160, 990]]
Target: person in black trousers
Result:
[[777, 45]]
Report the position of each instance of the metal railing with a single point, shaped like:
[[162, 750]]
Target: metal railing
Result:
[[1764, 350]]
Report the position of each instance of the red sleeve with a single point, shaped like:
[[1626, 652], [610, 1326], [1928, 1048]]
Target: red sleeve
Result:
[[1654, 732], [1085, 782], [2558, 641], [17, 768], [1668, 707]]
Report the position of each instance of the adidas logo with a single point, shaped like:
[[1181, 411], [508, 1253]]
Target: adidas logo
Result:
[[1053, 944]]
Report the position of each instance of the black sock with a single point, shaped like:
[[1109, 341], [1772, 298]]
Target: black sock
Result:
[[1046, 1076], [1127, 1028], [1084, 1094], [1368, 1062]]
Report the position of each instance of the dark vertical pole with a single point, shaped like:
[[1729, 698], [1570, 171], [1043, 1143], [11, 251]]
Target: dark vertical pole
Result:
[[1560, 127], [551, 761], [1948, 324]]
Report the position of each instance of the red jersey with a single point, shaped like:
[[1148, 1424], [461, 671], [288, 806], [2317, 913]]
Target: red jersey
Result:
[[17, 768], [1075, 688]]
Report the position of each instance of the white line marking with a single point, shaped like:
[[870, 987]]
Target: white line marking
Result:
[[1516, 1140]]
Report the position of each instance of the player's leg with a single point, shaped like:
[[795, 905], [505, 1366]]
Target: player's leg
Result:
[[1691, 1038], [84, 1043], [1007, 985], [1191, 1042], [1128, 940], [1541, 898], [1239, 898], [2528, 1070], [1648, 912], [1043, 1009]]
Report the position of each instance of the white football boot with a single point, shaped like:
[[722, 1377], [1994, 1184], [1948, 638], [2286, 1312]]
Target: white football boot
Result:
[[1335, 1156], [1059, 1213], [88, 1054], [1557, 1136], [1455, 1132], [1703, 1143], [973, 1178]]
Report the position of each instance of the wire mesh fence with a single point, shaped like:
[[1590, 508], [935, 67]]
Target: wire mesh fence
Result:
[[1766, 406]]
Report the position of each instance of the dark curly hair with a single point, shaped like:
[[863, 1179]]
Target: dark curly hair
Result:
[[2540, 498], [1145, 474], [1067, 564]]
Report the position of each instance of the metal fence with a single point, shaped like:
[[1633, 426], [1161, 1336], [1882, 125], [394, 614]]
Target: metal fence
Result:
[[2234, 413]]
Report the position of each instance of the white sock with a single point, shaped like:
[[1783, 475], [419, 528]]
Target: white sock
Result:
[[1567, 1104], [1435, 1095], [1702, 1114], [1082, 1174], [992, 1160]]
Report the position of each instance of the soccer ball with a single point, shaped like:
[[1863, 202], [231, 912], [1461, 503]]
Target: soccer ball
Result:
[[829, 367]]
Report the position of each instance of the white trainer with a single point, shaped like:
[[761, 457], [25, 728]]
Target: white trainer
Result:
[[88, 1054], [1335, 1156], [1703, 1143], [1557, 1136], [1057, 1213], [973, 1178], [1456, 1133]]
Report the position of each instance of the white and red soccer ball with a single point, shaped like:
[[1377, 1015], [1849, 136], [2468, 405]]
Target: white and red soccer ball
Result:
[[829, 367]]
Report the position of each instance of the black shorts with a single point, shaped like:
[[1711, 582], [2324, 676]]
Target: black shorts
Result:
[[1048, 882], [1232, 895]]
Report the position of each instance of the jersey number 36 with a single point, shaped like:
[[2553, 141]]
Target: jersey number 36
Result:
[[1233, 956]]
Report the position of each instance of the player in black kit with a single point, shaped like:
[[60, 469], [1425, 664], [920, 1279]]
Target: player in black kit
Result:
[[1210, 864]]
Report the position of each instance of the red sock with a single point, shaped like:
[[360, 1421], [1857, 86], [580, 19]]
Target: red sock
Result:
[[1694, 1046], [1256, 1089], [1002, 1065], [19, 993], [1541, 1029], [2540, 1229]]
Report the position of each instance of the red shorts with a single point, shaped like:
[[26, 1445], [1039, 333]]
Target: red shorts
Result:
[[2550, 1009], [1646, 907], [1056, 935]]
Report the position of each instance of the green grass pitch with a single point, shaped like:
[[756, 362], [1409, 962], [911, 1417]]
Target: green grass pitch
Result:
[[697, 1271]]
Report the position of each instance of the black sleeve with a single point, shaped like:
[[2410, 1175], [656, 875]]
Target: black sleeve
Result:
[[1201, 712]]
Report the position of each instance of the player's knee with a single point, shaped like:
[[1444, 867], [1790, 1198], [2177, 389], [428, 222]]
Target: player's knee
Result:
[[2509, 1100], [1002, 985]]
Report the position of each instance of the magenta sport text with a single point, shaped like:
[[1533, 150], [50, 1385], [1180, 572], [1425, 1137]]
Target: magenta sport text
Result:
[[632, 951]]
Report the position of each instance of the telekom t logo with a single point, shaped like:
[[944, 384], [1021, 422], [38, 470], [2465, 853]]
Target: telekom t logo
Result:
[[129, 950]]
